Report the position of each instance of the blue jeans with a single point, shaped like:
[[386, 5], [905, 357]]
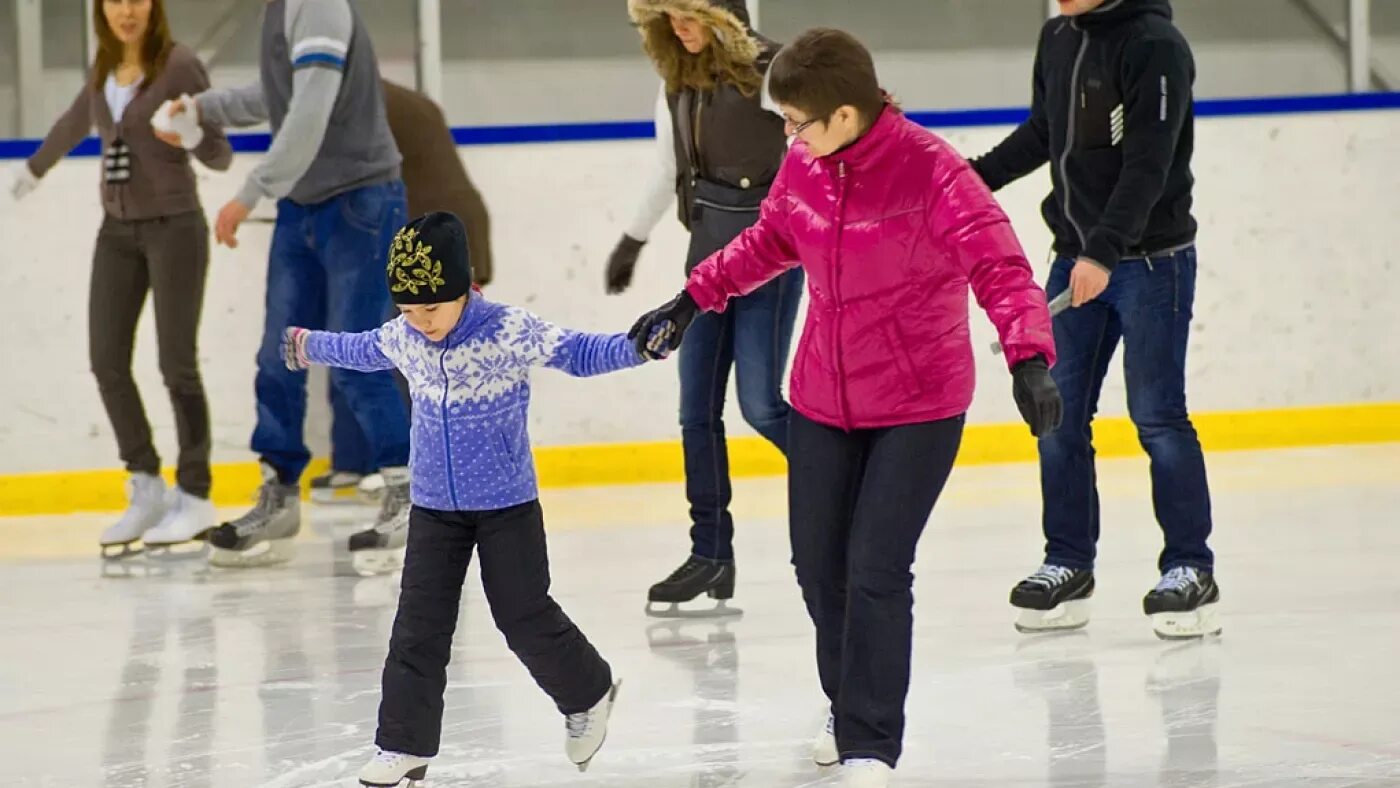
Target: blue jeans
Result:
[[753, 336], [326, 271], [1148, 305]]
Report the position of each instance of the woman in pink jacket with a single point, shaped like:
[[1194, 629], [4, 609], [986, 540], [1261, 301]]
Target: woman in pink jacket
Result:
[[892, 227]]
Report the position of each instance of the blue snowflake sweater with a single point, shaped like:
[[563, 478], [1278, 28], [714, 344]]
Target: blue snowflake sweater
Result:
[[471, 394]]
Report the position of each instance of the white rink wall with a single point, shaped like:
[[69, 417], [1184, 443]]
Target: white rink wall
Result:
[[1296, 302]]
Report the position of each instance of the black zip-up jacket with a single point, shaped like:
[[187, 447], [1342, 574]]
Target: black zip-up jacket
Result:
[[1112, 113]]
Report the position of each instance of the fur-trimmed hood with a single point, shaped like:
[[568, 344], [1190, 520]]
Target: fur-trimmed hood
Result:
[[728, 19]]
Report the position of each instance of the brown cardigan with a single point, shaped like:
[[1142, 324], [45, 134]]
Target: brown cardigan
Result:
[[162, 180], [433, 174]]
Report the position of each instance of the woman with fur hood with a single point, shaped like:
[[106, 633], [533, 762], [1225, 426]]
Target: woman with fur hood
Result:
[[719, 143]]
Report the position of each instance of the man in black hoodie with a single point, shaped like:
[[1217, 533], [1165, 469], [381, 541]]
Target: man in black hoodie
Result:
[[1112, 114]]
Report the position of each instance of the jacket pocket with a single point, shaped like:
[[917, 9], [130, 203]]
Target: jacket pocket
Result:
[[906, 373]]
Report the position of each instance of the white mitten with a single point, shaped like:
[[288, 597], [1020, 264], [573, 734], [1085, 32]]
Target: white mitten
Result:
[[22, 181], [184, 123]]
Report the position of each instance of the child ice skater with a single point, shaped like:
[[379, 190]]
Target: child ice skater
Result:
[[468, 362]]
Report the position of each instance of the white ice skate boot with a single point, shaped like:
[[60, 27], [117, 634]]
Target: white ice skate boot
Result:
[[380, 549], [824, 751], [146, 506], [866, 773], [263, 536], [587, 730], [187, 519], [335, 487], [390, 769]]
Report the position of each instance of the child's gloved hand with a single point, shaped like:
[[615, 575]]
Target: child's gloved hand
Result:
[[294, 348], [660, 331]]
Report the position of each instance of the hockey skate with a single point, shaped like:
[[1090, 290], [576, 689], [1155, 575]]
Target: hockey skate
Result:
[[336, 487], [1053, 598], [1182, 606], [696, 576], [187, 523], [146, 506], [866, 773], [265, 535], [391, 769], [586, 731], [380, 549], [824, 751]]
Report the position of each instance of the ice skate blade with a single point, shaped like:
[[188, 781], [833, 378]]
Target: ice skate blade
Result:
[[720, 610], [372, 562], [180, 551], [343, 495], [1073, 614], [413, 778], [120, 551], [1202, 622], [269, 553]]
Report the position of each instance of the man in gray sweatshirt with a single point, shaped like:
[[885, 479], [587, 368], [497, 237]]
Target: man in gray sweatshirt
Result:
[[333, 167]]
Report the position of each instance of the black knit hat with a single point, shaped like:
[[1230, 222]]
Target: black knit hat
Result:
[[429, 262]]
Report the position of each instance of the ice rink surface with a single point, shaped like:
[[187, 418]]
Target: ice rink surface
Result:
[[146, 675]]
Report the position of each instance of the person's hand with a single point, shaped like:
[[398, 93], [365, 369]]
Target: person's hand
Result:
[[226, 225], [22, 181], [294, 348], [622, 262], [1087, 279], [659, 331], [176, 123], [1037, 396]]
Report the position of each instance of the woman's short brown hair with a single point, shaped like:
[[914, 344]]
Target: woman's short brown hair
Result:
[[823, 70]]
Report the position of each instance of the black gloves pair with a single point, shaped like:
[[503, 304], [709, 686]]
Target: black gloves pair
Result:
[[657, 333], [622, 262], [1036, 395]]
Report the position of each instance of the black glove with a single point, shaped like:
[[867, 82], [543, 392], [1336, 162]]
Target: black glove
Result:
[[1037, 396], [659, 331], [622, 262]]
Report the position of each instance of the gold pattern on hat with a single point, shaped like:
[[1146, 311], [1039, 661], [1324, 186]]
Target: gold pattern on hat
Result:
[[411, 265]]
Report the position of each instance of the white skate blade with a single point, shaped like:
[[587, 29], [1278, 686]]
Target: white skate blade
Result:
[[118, 551], [269, 553], [369, 563], [721, 609], [1073, 614], [179, 551], [1190, 625]]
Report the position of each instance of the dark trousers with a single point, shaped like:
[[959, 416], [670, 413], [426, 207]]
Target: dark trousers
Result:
[[1148, 306], [858, 502], [515, 576], [752, 337], [326, 271], [168, 257]]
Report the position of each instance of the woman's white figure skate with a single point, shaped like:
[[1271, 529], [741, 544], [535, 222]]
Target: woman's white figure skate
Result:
[[182, 532], [824, 752], [145, 508], [586, 731], [391, 769], [866, 773]]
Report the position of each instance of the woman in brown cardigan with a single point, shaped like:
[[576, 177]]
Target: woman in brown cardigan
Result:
[[154, 238]]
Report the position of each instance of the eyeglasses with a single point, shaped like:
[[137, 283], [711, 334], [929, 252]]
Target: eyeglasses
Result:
[[798, 128]]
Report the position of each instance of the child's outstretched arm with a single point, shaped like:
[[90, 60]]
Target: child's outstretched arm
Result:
[[362, 352], [539, 343]]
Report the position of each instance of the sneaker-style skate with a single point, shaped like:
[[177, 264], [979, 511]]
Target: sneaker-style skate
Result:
[[695, 577], [1053, 598], [586, 731], [390, 769], [380, 549], [264, 535], [866, 773], [145, 508], [1182, 606], [187, 519], [336, 487], [824, 752]]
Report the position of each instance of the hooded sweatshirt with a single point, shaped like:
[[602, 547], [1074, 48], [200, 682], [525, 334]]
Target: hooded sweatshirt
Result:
[[1112, 114]]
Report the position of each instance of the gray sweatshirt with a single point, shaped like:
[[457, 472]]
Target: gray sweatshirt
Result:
[[319, 72]]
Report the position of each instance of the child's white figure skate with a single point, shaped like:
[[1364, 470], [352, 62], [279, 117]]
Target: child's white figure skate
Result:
[[587, 730], [147, 505], [866, 773], [391, 769], [188, 521], [824, 752]]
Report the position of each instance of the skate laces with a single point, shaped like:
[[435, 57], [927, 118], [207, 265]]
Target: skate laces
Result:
[[1178, 578], [1050, 575], [389, 759], [577, 724], [398, 521], [269, 501], [396, 500], [691, 564]]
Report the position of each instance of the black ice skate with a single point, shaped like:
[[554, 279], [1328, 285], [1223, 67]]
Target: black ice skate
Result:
[[264, 535], [1182, 606], [380, 549], [695, 577], [1053, 598]]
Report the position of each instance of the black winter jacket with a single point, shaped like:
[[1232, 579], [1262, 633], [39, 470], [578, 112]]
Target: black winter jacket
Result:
[[1112, 113]]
